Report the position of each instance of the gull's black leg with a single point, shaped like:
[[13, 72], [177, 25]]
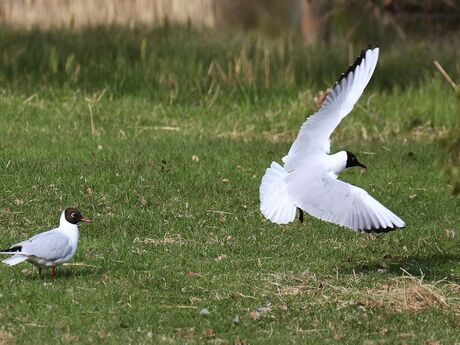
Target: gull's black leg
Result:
[[40, 272], [300, 215]]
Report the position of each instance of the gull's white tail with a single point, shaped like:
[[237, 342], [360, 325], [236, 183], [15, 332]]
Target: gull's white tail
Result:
[[14, 260], [274, 201]]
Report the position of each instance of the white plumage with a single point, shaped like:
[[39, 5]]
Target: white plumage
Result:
[[308, 179]]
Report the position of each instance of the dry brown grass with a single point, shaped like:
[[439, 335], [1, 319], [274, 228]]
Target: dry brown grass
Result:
[[61, 13], [168, 239], [5, 338], [411, 294], [404, 294]]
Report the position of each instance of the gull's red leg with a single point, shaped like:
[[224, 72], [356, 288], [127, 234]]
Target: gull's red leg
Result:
[[53, 272]]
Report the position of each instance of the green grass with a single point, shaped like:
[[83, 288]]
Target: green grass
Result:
[[172, 236]]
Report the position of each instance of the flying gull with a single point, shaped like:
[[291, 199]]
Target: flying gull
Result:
[[308, 180]]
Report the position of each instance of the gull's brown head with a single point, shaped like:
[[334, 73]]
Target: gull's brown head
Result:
[[352, 161], [73, 216]]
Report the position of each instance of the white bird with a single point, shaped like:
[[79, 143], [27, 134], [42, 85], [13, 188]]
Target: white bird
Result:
[[51, 248], [308, 179]]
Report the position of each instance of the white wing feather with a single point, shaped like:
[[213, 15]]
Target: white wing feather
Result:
[[338, 202], [315, 133]]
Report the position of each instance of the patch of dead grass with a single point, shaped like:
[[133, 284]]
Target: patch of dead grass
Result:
[[411, 294], [404, 294], [167, 239], [6, 338]]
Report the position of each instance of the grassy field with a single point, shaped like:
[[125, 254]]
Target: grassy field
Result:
[[161, 137]]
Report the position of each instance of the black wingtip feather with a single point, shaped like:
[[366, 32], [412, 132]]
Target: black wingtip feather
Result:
[[357, 62], [12, 249], [382, 230]]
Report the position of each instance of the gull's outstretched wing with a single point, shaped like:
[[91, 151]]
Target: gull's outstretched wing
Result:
[[50, 245], [338, 202], [315, 133]]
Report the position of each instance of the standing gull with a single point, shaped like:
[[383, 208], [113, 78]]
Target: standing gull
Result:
[[51, 248], [308, 179]]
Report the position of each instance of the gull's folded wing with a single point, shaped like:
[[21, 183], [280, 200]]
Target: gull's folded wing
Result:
[[316, 131], [48, 245]]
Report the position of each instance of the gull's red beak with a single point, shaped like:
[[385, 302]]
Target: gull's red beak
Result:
[[362, 165], [84, 219]]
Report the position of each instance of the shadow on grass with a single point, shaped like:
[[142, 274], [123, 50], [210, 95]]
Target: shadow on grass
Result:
[[433, 267], [64, 273]]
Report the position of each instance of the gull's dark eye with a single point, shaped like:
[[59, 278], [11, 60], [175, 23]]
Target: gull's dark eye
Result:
[[73, 214]]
